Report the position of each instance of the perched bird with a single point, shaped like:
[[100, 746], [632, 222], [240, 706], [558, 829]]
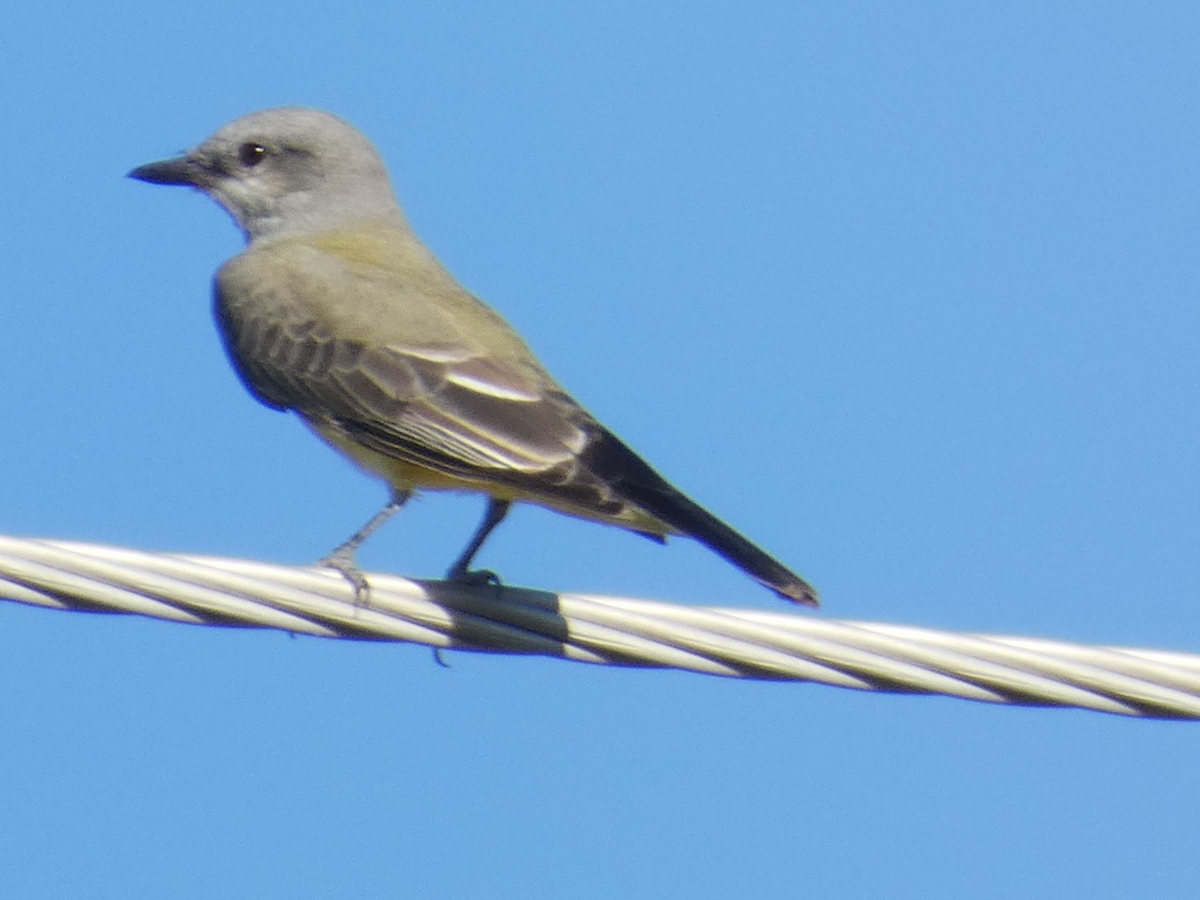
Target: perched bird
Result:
[[337, 311]]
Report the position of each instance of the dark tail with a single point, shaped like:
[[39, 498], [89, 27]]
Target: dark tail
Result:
[[633, 479]]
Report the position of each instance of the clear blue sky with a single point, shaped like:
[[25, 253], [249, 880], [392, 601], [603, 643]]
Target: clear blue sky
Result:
[[908, 293]]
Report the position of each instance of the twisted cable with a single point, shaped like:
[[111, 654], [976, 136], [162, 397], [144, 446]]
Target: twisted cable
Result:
[[737, 643]]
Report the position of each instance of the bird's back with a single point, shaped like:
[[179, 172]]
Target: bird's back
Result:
[[375, 345]]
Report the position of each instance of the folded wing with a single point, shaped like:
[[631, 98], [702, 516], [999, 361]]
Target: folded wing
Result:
[[445, 407]]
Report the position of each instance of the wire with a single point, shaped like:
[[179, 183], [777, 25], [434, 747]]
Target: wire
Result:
[[738, 643]]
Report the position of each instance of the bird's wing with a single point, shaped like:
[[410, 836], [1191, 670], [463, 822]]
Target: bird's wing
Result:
[[446, 407]]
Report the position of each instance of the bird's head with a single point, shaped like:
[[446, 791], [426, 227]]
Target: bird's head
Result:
[[284, 171]]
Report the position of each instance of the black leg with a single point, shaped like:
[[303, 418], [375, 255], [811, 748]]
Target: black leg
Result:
[[342, 558], [497, 509]]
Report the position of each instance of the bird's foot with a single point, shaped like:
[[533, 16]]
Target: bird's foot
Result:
[[474, 577], [342, 559]]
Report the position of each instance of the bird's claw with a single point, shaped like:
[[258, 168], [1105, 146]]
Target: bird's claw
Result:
[[343, 562], [474, 577]]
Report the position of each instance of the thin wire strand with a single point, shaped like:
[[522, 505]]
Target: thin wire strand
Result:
[[737, 643]]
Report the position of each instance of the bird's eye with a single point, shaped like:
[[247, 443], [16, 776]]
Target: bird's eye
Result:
[[251, 154]]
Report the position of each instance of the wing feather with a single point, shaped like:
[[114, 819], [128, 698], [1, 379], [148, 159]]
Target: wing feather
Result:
[[478, 413], [466, 411]]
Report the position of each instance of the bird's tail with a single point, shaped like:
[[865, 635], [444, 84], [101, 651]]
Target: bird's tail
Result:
[[634, 479]]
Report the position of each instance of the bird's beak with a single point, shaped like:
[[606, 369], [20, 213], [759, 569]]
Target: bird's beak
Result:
[[180, 170]]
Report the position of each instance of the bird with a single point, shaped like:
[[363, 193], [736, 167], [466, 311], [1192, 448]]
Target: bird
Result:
[[337, 312]]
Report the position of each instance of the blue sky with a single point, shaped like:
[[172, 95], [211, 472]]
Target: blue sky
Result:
[[907, 293]]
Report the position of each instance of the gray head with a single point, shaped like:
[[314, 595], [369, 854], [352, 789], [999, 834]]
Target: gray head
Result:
[[286, 170]]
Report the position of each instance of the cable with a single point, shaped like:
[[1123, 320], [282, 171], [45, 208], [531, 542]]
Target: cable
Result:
[[739, 643]]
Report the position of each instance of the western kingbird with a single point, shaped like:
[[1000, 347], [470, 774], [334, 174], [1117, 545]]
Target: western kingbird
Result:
[[337, 311]]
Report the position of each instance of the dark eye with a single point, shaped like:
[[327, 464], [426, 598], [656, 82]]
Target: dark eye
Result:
[[251, 154]]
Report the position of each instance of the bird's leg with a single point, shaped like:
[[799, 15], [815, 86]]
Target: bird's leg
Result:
[[342, 558], [497, 509]]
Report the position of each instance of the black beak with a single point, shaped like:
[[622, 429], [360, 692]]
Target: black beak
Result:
[[179, 170]]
